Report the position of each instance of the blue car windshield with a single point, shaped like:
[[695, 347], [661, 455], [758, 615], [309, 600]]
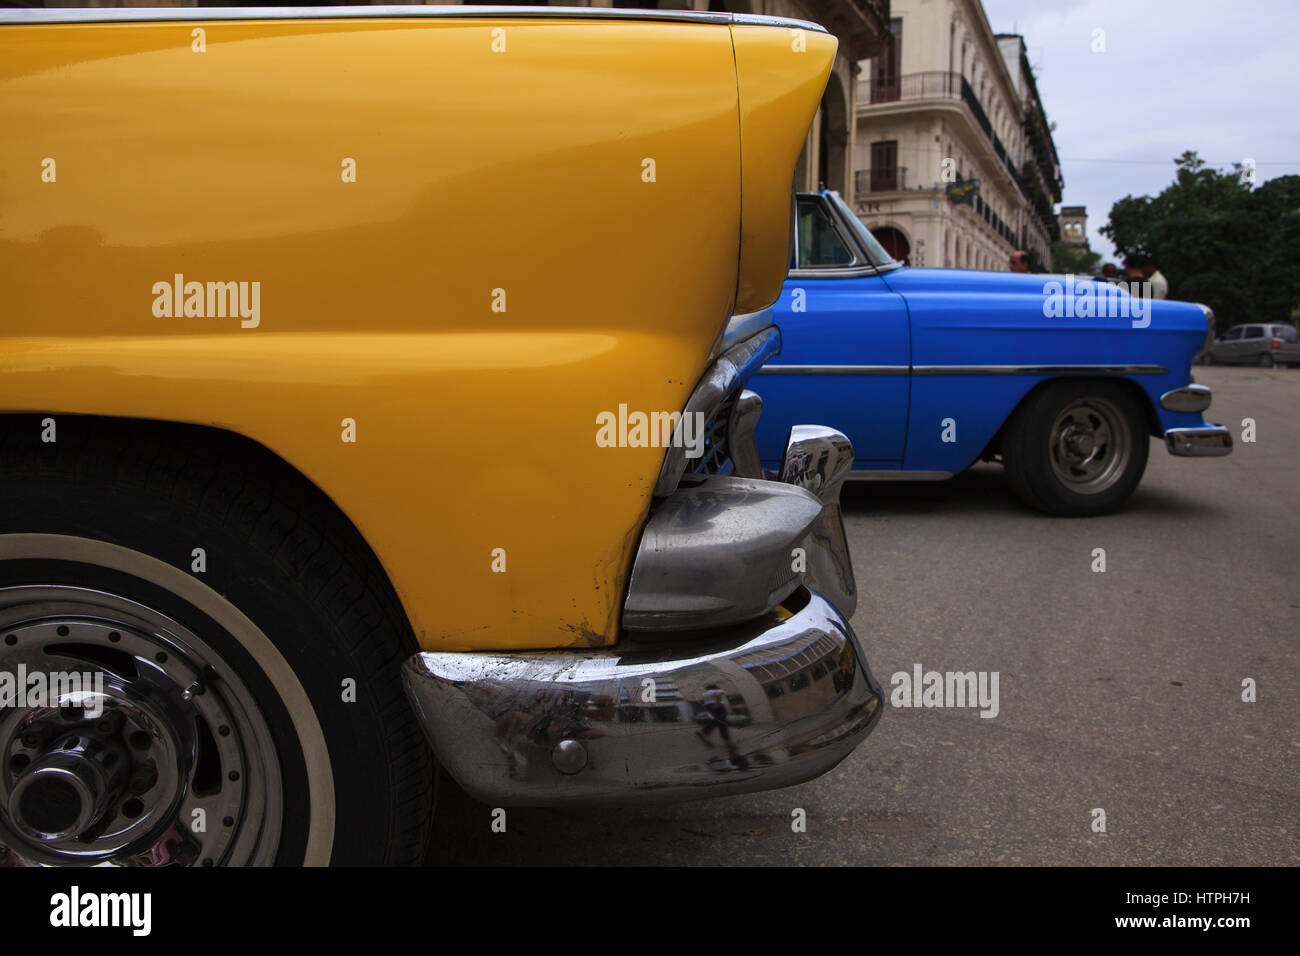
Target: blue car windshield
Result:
[[869, 242]]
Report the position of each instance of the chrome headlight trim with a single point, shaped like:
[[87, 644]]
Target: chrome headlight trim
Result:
[[1210, 327], [728, 374]]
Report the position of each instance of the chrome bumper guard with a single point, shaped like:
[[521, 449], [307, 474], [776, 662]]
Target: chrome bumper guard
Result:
[[1209, 441], [1189, 398], [771, 703], [719, 551]]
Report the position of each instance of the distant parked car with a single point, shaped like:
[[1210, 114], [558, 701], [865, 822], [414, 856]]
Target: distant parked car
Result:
[[1255, 343], [927, 371]]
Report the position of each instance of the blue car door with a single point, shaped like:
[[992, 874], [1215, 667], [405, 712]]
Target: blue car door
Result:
[[845, 353]]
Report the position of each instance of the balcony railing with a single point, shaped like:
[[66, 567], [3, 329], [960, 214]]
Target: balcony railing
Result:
[[941, 84], [912, 86], [881, 180]]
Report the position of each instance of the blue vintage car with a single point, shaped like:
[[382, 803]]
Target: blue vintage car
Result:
[[928, 371]]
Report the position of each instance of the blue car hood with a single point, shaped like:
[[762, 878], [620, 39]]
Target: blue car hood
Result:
[[1031, 290]]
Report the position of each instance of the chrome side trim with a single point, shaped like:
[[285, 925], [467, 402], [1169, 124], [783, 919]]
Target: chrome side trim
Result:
[[724, 377], [834, 370], [767, 20], [963, 370], [718, 553], [818, 459], [897, 474], [1211, 441], [769, 704], [156, 14], [1039, 370], [1189, 398]]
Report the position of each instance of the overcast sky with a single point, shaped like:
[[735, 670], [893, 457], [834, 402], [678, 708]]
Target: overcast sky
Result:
[[1220, 78]]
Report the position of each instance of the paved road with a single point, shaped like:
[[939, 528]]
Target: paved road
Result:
[[1118, 690]]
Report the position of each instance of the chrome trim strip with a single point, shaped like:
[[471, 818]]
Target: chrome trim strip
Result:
[[897, 474], [833, 370], [1210, 441], [1039, 370], [165, 14], [963, 370], [834, 272], [1189, 398], [767, 20], [651, 724]]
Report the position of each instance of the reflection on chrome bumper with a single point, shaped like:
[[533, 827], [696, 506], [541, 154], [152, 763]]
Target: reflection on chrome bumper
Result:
[[1209, 441], [763, 705]]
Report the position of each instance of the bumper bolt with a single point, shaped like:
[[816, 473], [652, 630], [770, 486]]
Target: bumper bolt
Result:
[[569, 756]]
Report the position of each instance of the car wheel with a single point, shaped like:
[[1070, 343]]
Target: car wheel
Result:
[[239, 708], [1210, 359], [1266, 361], [1076, 448]]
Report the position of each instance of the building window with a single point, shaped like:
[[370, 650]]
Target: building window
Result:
[[885, 81], [884, 165]]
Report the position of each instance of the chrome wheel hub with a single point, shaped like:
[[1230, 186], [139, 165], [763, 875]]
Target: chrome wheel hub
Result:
[[128, 741], [1090, 445]]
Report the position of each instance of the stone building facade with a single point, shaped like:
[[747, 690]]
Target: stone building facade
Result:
[[956, 166]]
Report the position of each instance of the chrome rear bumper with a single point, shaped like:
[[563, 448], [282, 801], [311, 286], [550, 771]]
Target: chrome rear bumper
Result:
[[766, 704]]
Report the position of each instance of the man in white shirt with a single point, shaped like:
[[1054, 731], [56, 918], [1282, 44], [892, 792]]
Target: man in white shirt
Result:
[[1159, 284], [1140, 268]]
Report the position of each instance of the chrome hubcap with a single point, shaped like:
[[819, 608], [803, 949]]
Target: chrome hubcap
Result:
[[127, 739], [1090, 445]]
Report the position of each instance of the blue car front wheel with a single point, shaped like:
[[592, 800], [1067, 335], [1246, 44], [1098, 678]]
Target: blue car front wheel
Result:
[[1077, 447]]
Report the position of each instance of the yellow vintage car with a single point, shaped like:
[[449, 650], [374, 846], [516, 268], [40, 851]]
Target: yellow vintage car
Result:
[[372, 398]]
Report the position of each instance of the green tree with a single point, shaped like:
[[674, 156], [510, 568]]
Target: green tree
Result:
[[1073, 260], [1218, 240]]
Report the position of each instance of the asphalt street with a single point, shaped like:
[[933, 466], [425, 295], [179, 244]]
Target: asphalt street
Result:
[[1119, 690]]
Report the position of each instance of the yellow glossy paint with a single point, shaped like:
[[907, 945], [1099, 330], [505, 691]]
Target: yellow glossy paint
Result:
[[477, 170], [781, 71]]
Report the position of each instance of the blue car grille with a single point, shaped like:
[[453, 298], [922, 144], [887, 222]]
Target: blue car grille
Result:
[[716, 459]]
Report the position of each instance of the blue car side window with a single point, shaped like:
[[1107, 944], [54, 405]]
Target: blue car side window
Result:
[[820, 246]]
